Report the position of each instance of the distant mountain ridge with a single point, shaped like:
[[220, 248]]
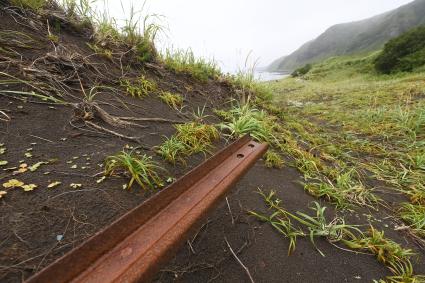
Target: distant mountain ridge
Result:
[[355, 37]]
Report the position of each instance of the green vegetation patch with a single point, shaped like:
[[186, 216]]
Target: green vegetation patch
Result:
[[346, 127], [245, 119], [273, 160], [301, 71], [140, 87], [31, 4], [336, 231], [190, 138], [173, 100], [403, 53], [184, 61], [140, 168]]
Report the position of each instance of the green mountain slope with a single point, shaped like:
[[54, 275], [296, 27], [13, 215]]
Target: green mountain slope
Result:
[[355, 37]]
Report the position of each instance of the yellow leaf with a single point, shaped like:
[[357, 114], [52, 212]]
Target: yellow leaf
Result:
[[2, 193], [29, 187], [13, 183], [35, 166], [22, 169], [75, 186], [54, 184], [3, 162]]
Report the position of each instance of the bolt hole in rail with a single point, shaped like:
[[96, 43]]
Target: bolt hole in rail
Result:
[[134, 247]]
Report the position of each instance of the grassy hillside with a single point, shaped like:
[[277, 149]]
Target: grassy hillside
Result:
[[358, 139], [358, 121], [355, 37]]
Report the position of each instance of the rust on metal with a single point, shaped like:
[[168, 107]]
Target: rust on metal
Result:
[[133, 248]]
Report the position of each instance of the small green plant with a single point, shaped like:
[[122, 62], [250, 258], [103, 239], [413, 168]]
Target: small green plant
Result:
[[141, 168], [346, 190], [196, 137], [280, 221], [186, 62], [317, 226], [139, 88], [387, 251], [172, 99], [172, 150], [53, 38], [247, 120], [199, 115], [414, 215], [31, 4], [78, 9], [101, 51], [247, 86], [273, 160], [189, 139]]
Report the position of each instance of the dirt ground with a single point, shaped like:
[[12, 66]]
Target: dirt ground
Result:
[[39, 226]]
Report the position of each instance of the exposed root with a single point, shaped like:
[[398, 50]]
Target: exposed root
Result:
[[90, 110], [134, 139], [4, 117], [158, 120]]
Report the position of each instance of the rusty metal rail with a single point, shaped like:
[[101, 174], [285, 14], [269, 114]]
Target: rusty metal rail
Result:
[[133, 248]]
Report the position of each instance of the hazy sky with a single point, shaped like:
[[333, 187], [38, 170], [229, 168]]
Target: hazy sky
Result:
[[229, 29]]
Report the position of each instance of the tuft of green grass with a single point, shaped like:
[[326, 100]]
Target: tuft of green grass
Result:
[[414, 216], [185, 61], [248, 120], [197, 137], [273, 160], [246, 86], [311, 226], [387, 251], [173, 100], [141, 168], [190, 138], [107, 53], [172, 150], [139, 88], [344, 191], [30, 4]]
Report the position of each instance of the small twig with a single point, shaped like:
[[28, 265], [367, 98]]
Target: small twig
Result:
[[43, 139], [5, 115], [230, 211], [240, 262], [190, 247], [200, 229]]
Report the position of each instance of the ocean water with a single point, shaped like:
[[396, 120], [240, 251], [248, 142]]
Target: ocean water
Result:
[[269, 76]]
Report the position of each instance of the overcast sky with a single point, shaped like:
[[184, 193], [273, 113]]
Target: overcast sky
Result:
[[229, 29]]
